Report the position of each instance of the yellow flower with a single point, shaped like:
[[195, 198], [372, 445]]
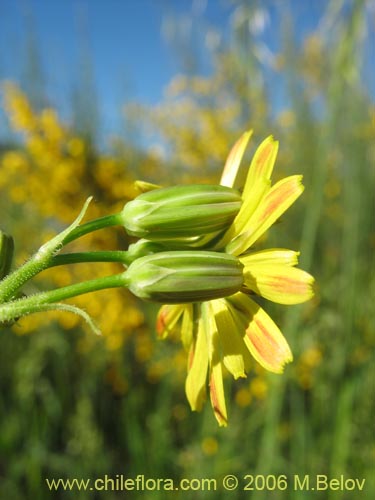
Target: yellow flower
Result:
[[225, 332]]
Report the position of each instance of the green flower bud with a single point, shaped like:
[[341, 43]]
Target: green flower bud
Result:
[[181, 211], [178, 277], [142, 248], [6, 253]]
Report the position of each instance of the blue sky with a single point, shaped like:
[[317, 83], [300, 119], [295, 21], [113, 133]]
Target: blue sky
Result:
[[131, 58], [125, 40], [122, 38]]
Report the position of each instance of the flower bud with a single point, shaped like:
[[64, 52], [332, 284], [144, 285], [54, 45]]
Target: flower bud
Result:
[[181, 211], [6, 253], [178, 277], [141, 248]]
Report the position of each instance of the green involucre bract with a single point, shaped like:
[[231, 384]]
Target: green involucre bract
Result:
[[184, 276], [181, 211]]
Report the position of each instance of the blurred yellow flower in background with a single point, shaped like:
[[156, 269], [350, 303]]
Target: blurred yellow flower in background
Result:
[[50, 175]]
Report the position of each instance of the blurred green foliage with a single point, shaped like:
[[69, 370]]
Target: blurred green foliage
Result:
[[74, 406]]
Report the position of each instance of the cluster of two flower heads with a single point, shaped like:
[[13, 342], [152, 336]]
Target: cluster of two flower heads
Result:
[[195, 257]]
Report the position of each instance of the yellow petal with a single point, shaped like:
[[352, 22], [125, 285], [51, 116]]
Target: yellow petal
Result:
[[263, 338], [234, 159], [187, 326], [262, 164], [271, 256], [216, 376], [195, 386], [233, 350], [167, 319], [144, 186], [279, 283], [278, 199], [257, 184], [217, 396], [248, 207]]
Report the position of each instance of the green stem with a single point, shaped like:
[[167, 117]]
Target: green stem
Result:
[[11, 283], [12, 310], [45, 255], [101, 256], [93, 225]]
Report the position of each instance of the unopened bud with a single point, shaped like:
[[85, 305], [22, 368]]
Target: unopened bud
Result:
[[181, 211], [178, 277], [141, 248]]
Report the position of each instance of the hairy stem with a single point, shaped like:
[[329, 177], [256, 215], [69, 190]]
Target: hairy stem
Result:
[[10, 311]]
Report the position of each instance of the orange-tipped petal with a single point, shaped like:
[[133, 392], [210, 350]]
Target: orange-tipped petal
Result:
[[278, 199], [234, 159], [215, 367], [263, 338], [217, 394], [167, 319], [267, 344], [195, 385], [279, 283]]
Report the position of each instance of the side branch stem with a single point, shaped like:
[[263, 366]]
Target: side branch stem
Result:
[[93, 225]]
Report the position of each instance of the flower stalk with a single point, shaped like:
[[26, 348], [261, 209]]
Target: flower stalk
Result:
[[93, 225], [11, 311], [120, 256]]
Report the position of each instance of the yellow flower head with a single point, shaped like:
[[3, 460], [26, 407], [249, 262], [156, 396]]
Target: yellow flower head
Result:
[[226, 332]]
